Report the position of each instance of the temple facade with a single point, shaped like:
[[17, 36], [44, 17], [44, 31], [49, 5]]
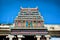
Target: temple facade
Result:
[[28, 25]]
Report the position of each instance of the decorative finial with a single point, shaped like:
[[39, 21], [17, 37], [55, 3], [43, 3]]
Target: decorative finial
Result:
[[36, 6], [21, 7]]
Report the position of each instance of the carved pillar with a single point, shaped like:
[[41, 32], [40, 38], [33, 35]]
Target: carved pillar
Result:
[[47, 37], [38, 37], [10, 37], [20, 36]]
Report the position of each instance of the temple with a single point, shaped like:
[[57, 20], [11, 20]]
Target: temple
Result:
[[28, 25]]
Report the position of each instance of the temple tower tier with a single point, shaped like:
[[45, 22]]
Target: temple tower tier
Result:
[[29, 18]]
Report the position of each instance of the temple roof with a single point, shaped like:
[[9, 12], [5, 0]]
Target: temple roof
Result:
[[29, 14]]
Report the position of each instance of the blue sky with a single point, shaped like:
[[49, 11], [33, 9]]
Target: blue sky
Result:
[[54, 38], [49, 9]]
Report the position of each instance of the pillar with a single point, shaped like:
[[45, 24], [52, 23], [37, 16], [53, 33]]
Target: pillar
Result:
[[10, 37], [20, 36], [47, 37], [38, 37]]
